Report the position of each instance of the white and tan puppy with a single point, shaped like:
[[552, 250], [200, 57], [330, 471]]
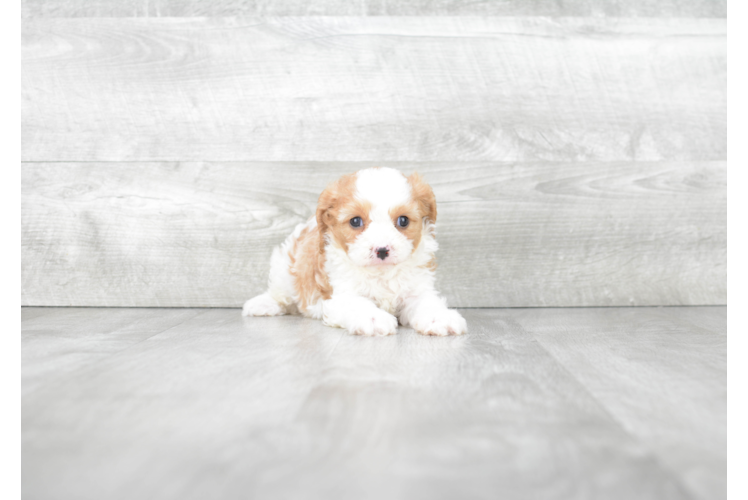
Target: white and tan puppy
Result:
[[365, 261]]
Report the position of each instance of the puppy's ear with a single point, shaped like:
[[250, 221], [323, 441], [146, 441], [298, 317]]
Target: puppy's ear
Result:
[[424, 196], [327, 205]]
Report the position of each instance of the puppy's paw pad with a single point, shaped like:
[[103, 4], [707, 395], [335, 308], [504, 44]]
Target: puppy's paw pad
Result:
[[262, 305], [441, 323], [376, 323]]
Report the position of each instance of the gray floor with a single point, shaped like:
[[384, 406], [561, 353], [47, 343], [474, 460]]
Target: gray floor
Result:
[[532, 403]]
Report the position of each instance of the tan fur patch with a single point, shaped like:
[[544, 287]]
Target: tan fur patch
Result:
[[343, 233], [307, 267], [309, 261], [424, 196], [336, 207], [414, 229], [329, 203]]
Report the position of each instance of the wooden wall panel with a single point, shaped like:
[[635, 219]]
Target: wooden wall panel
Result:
[[578, 161], [183, 8], [511, 234], [736, 236], [373, 89]]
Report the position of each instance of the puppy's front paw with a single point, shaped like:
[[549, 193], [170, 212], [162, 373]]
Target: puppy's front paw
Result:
[[440, 322], [373, 322], [263, 305]]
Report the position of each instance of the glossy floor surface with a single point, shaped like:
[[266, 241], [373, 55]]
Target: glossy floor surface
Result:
[[532, 403]]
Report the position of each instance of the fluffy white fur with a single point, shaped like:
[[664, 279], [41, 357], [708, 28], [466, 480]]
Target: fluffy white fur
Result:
[[363, 293]]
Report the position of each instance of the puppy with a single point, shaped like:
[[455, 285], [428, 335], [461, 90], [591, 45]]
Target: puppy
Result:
[[365, 261]]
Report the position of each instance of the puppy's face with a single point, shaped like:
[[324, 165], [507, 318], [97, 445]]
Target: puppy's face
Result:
[[377, 216]]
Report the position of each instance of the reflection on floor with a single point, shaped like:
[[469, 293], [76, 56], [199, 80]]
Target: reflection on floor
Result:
[[532, 403]]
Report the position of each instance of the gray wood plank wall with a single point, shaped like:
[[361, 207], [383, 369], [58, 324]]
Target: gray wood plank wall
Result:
[[577, 161], [199, 8]]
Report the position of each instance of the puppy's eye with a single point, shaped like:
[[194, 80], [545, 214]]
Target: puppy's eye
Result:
[[357, 222], [403, 221]]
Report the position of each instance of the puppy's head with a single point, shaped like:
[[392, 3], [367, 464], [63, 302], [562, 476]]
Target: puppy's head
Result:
[[377, 215]]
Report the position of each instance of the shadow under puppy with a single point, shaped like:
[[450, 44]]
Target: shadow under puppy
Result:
[[365, 261]]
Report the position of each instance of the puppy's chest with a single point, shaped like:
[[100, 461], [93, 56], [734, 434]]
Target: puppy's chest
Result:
[[386, 295], [385, 292]]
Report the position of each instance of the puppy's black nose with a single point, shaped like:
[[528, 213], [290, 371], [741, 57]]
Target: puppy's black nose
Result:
[[383, 252]]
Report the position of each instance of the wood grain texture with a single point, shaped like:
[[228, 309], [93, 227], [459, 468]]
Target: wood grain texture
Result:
[[221, 406], [735, 208], [29, 313], [373, 89], [73, 338], [639, 366], [512, 235], [190, 8]]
